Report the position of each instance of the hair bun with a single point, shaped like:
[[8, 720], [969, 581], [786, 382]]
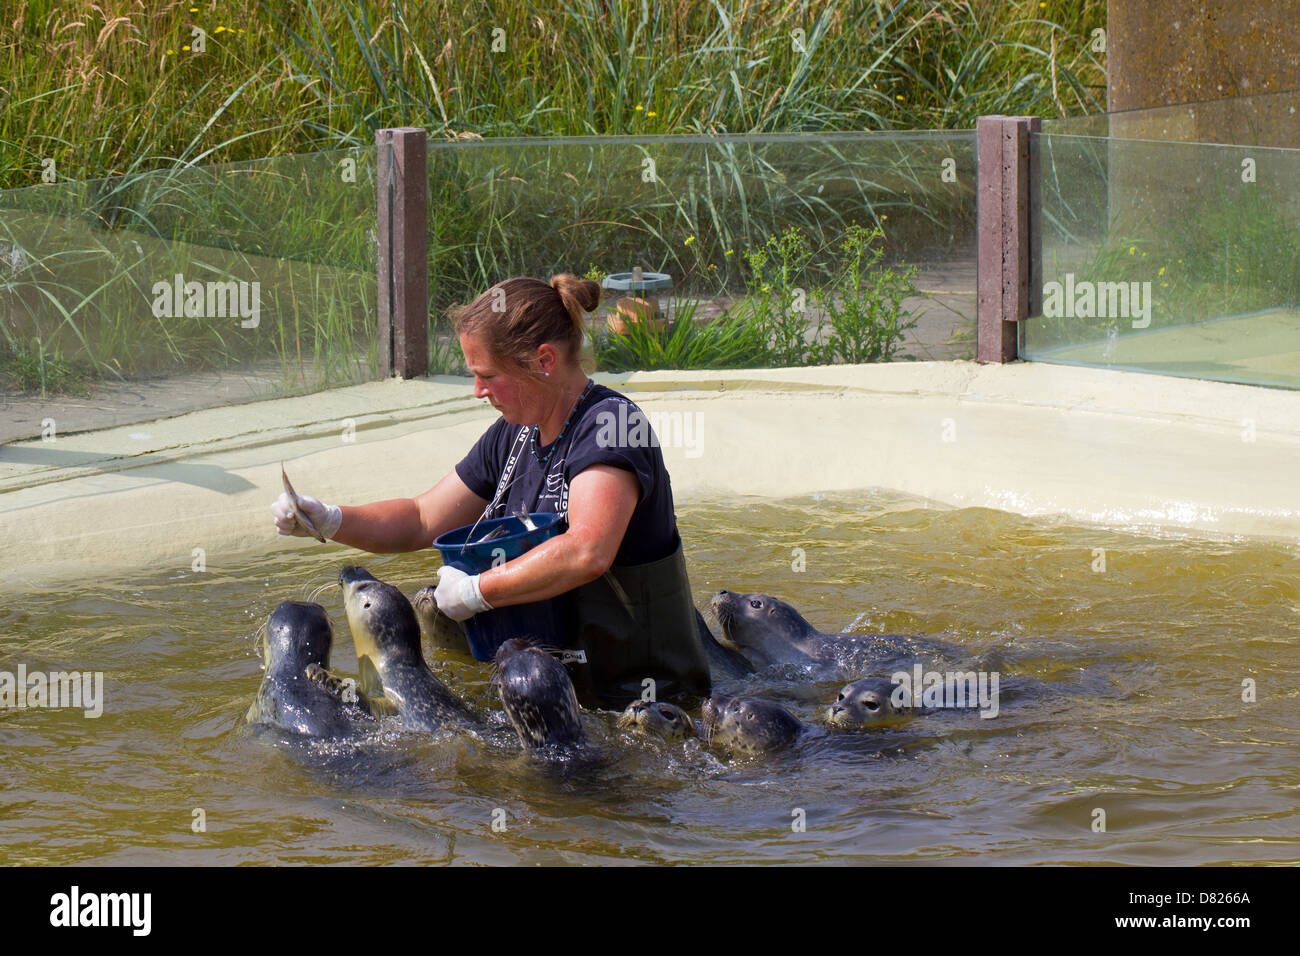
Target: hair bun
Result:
[[578, 295]]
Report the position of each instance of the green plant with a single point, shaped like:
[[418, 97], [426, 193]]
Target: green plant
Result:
[[777, 299], [865, 318], [728, 341], [32, 369]]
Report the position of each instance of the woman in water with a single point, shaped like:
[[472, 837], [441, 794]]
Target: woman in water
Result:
[[562, 444]]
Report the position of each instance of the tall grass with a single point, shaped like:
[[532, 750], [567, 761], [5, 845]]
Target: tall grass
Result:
[[105, 87], [113, 101]]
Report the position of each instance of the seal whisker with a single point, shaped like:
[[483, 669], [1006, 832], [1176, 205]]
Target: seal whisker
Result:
[[321, 589]]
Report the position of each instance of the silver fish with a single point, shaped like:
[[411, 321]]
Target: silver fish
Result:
[[500, 531], [298, 514]]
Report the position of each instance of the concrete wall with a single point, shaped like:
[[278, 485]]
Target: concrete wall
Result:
[[1184, 51]]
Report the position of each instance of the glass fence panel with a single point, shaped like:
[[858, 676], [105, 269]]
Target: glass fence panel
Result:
[[148, 295], [776, 250], [1176, 258]]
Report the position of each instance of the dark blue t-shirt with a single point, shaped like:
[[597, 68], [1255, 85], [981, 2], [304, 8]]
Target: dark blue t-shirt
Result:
[[606, 429]]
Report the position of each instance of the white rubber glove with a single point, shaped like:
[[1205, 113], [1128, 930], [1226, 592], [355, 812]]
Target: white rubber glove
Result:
[[326, 518], [458, 595]]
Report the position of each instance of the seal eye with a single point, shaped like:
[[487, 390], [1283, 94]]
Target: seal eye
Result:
[[755, 604], [366, 605], [872, 705], [839, 698]]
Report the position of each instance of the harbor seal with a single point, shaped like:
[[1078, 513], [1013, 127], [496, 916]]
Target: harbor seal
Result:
[[537, 696], [724, 663], [659, 718], [864, 702], [748, 725], [299, 638], [393, 673], [768, 631], [437, 628]]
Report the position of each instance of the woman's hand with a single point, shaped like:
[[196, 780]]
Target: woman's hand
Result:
[[457, 594], [326, 518]]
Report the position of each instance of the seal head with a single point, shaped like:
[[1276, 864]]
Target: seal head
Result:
[[386, 635], [864, 702], [437, 628], [537, 696], [659, 718], [766, 630], [299, 637], [748, 725]]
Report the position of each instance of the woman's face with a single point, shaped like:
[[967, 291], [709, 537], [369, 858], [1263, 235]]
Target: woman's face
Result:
[[517, 397]]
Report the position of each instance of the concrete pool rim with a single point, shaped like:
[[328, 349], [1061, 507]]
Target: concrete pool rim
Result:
[[1094, 446]]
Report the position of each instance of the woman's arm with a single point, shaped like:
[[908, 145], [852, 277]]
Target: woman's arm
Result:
[[601, 501], [409, 524]]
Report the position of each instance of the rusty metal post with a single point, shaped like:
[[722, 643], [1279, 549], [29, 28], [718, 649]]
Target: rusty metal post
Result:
[[402, 171], [1006, 210]]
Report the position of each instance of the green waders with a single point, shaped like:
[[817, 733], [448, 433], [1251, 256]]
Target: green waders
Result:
[[636, 625]]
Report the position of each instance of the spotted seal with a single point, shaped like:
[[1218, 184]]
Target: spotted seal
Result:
[[748, 725], [299, 638], [537, 696], [393, 674], [657, 717]]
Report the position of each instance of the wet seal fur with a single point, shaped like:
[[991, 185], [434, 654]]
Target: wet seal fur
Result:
[[537, 696], [299, 638], [659, 718], [767, 631], [749, 725], [724, 662], [394, 677]]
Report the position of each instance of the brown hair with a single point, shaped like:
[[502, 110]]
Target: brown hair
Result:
[[528, 313]]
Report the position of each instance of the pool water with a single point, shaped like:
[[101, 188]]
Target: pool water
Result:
[[1122, 660]]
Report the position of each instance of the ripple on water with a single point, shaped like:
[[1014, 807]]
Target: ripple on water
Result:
[[1123, 662]]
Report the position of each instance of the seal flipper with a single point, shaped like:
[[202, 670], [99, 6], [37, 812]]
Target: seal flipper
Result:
[[345, 689], [724, 663]]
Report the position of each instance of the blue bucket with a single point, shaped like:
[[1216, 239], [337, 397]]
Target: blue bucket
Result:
[[541, 620]]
